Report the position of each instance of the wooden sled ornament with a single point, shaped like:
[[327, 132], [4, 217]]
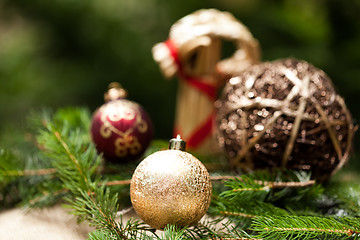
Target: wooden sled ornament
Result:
[[193, 52]]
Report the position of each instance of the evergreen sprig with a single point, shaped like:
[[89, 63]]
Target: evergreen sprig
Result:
[[247, 209], [21, 182], [262, 193], [306, 227], [260, 205], [101, 234], [9, 192], [347, 197], [8, 161], [246, 188], [263, 185], [100, 208], [76, 162]]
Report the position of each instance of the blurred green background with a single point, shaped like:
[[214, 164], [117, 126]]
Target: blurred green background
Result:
[[65, 52]]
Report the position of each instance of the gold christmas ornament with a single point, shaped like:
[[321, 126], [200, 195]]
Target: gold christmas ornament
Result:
[[171, 187]]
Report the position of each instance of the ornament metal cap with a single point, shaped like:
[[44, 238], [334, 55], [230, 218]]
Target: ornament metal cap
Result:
[[115, 92], [177, 144]]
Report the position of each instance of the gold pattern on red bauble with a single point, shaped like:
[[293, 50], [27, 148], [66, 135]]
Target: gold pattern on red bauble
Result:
[[120, 129]]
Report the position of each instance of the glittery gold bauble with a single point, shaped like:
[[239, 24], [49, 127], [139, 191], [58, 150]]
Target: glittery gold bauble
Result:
[[170, 187], [284, 114]]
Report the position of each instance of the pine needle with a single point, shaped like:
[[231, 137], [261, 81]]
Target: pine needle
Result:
[[305, 227]]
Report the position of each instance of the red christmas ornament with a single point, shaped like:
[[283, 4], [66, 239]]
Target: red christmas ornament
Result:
[[120, 129]]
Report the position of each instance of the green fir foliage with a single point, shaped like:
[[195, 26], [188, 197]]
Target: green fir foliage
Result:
[[76, 162], [347, 194], [259, 205], [306, 227], [59, 53], [8, 161]]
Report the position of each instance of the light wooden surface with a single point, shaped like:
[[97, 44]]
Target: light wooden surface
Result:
[[53, 223]]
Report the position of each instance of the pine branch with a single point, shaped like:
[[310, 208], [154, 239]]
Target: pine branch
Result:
[[118, 182], [253, 206], [72, 155], [20, 182], [8, 161], [271, 186], [245, 210], [101, 234], [99, 209], [347, 195], [26, 174], [213, 229], [76, 162], [172, 233], [306, 227], [256, 195], [250, 199], [47, 198], [30, 172], [268, 184], [204, 230], [245, 187]]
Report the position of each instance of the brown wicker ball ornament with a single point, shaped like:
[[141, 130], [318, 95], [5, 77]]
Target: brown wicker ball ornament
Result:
[[284, 114]]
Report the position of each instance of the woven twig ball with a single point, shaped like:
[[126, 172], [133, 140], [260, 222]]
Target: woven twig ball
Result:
[[284, 114]]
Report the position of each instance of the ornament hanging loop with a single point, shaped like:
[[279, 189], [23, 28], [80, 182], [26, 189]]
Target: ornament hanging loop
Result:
[[177, 144], [115, 92]]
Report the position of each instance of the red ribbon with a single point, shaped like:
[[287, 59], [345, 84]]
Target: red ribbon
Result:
[[206, 88], [200, 134]]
